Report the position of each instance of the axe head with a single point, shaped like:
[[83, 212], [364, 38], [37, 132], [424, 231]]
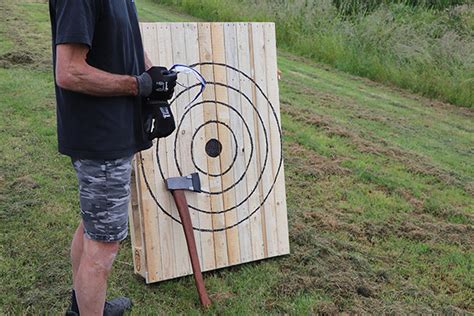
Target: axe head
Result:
[[190, 183]]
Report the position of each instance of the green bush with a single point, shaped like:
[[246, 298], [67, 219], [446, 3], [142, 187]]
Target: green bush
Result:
[[426, 46]]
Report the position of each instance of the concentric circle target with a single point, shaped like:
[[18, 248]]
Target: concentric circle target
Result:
[[256, 160]]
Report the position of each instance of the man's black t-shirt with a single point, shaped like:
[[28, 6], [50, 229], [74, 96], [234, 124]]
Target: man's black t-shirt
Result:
[[92, 127]]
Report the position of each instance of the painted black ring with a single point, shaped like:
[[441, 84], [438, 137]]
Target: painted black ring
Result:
[[233, 158], [243, 175], [275, 177], [266, 140], [252, 146], [230, 107], [261, 122], [250, 137]]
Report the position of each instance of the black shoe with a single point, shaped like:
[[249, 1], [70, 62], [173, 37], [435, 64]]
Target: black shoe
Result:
[[117, 306], [73, 309]]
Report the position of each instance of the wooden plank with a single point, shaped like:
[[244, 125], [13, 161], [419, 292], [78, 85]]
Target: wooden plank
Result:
[[150, 220], [189, 127], [245, 56], [279, 191], [164, 57], [208, 260], [136, 231], [149, 208], [246, 60], [237, 125], [136, 223], [183, 263], [267, 180], [135, 217], [225, 138], [213, 164], [206, 240]]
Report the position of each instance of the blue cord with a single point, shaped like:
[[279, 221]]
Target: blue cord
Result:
[[179, 68]]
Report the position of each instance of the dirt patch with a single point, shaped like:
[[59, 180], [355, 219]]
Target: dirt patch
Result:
[[17, 196], [307, 163], [469, 187], [325, 99], [303, 115], [418, 227], [16, 58], [330, 222], [25, 182], [326, 308], [320, 121], [429, 230], [368, 115], [221, 296], [468, 112], [408, 196]]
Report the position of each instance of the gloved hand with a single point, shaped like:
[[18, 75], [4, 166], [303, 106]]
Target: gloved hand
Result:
[[157, 83], [159, 120]]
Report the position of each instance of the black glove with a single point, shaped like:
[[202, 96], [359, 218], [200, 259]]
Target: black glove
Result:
[[157, 83], [159, 120]]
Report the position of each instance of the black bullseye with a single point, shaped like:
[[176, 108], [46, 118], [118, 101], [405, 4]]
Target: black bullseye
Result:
[[213, 148]]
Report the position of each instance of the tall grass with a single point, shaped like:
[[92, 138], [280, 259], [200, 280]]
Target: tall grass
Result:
[[358, 6], [426, 46]]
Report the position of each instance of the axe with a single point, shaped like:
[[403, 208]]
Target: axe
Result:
[[177, 186]]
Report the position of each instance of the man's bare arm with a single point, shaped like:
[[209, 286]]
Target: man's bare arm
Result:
[[73, 73]]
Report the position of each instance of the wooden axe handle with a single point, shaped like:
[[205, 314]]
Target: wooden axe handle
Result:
[[181, 203]]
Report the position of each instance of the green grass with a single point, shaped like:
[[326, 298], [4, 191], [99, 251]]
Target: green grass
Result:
[[423, 46], [380, 191], [149, 11], [356, 6]]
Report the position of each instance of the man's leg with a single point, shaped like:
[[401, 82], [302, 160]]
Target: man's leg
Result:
[[91, 280], [76, 250], [104, 190]]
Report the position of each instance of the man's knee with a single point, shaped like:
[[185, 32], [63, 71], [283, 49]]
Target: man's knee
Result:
[[100, 255]]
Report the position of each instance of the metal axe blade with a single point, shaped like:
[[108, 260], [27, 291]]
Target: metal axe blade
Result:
[[189, 183]]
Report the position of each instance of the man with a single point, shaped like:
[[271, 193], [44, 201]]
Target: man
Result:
[[101, 81]]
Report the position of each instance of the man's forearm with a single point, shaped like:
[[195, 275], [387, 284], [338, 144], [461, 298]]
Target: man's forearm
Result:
[[89, 80]]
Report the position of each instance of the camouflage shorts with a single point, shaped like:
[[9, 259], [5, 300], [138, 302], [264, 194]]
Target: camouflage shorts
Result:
[[104, 192]]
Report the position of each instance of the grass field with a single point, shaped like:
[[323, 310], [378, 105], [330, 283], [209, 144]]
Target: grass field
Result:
[[380, 194], [422, 45]]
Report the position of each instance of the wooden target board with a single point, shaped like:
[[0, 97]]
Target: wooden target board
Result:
[[231, 136]]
